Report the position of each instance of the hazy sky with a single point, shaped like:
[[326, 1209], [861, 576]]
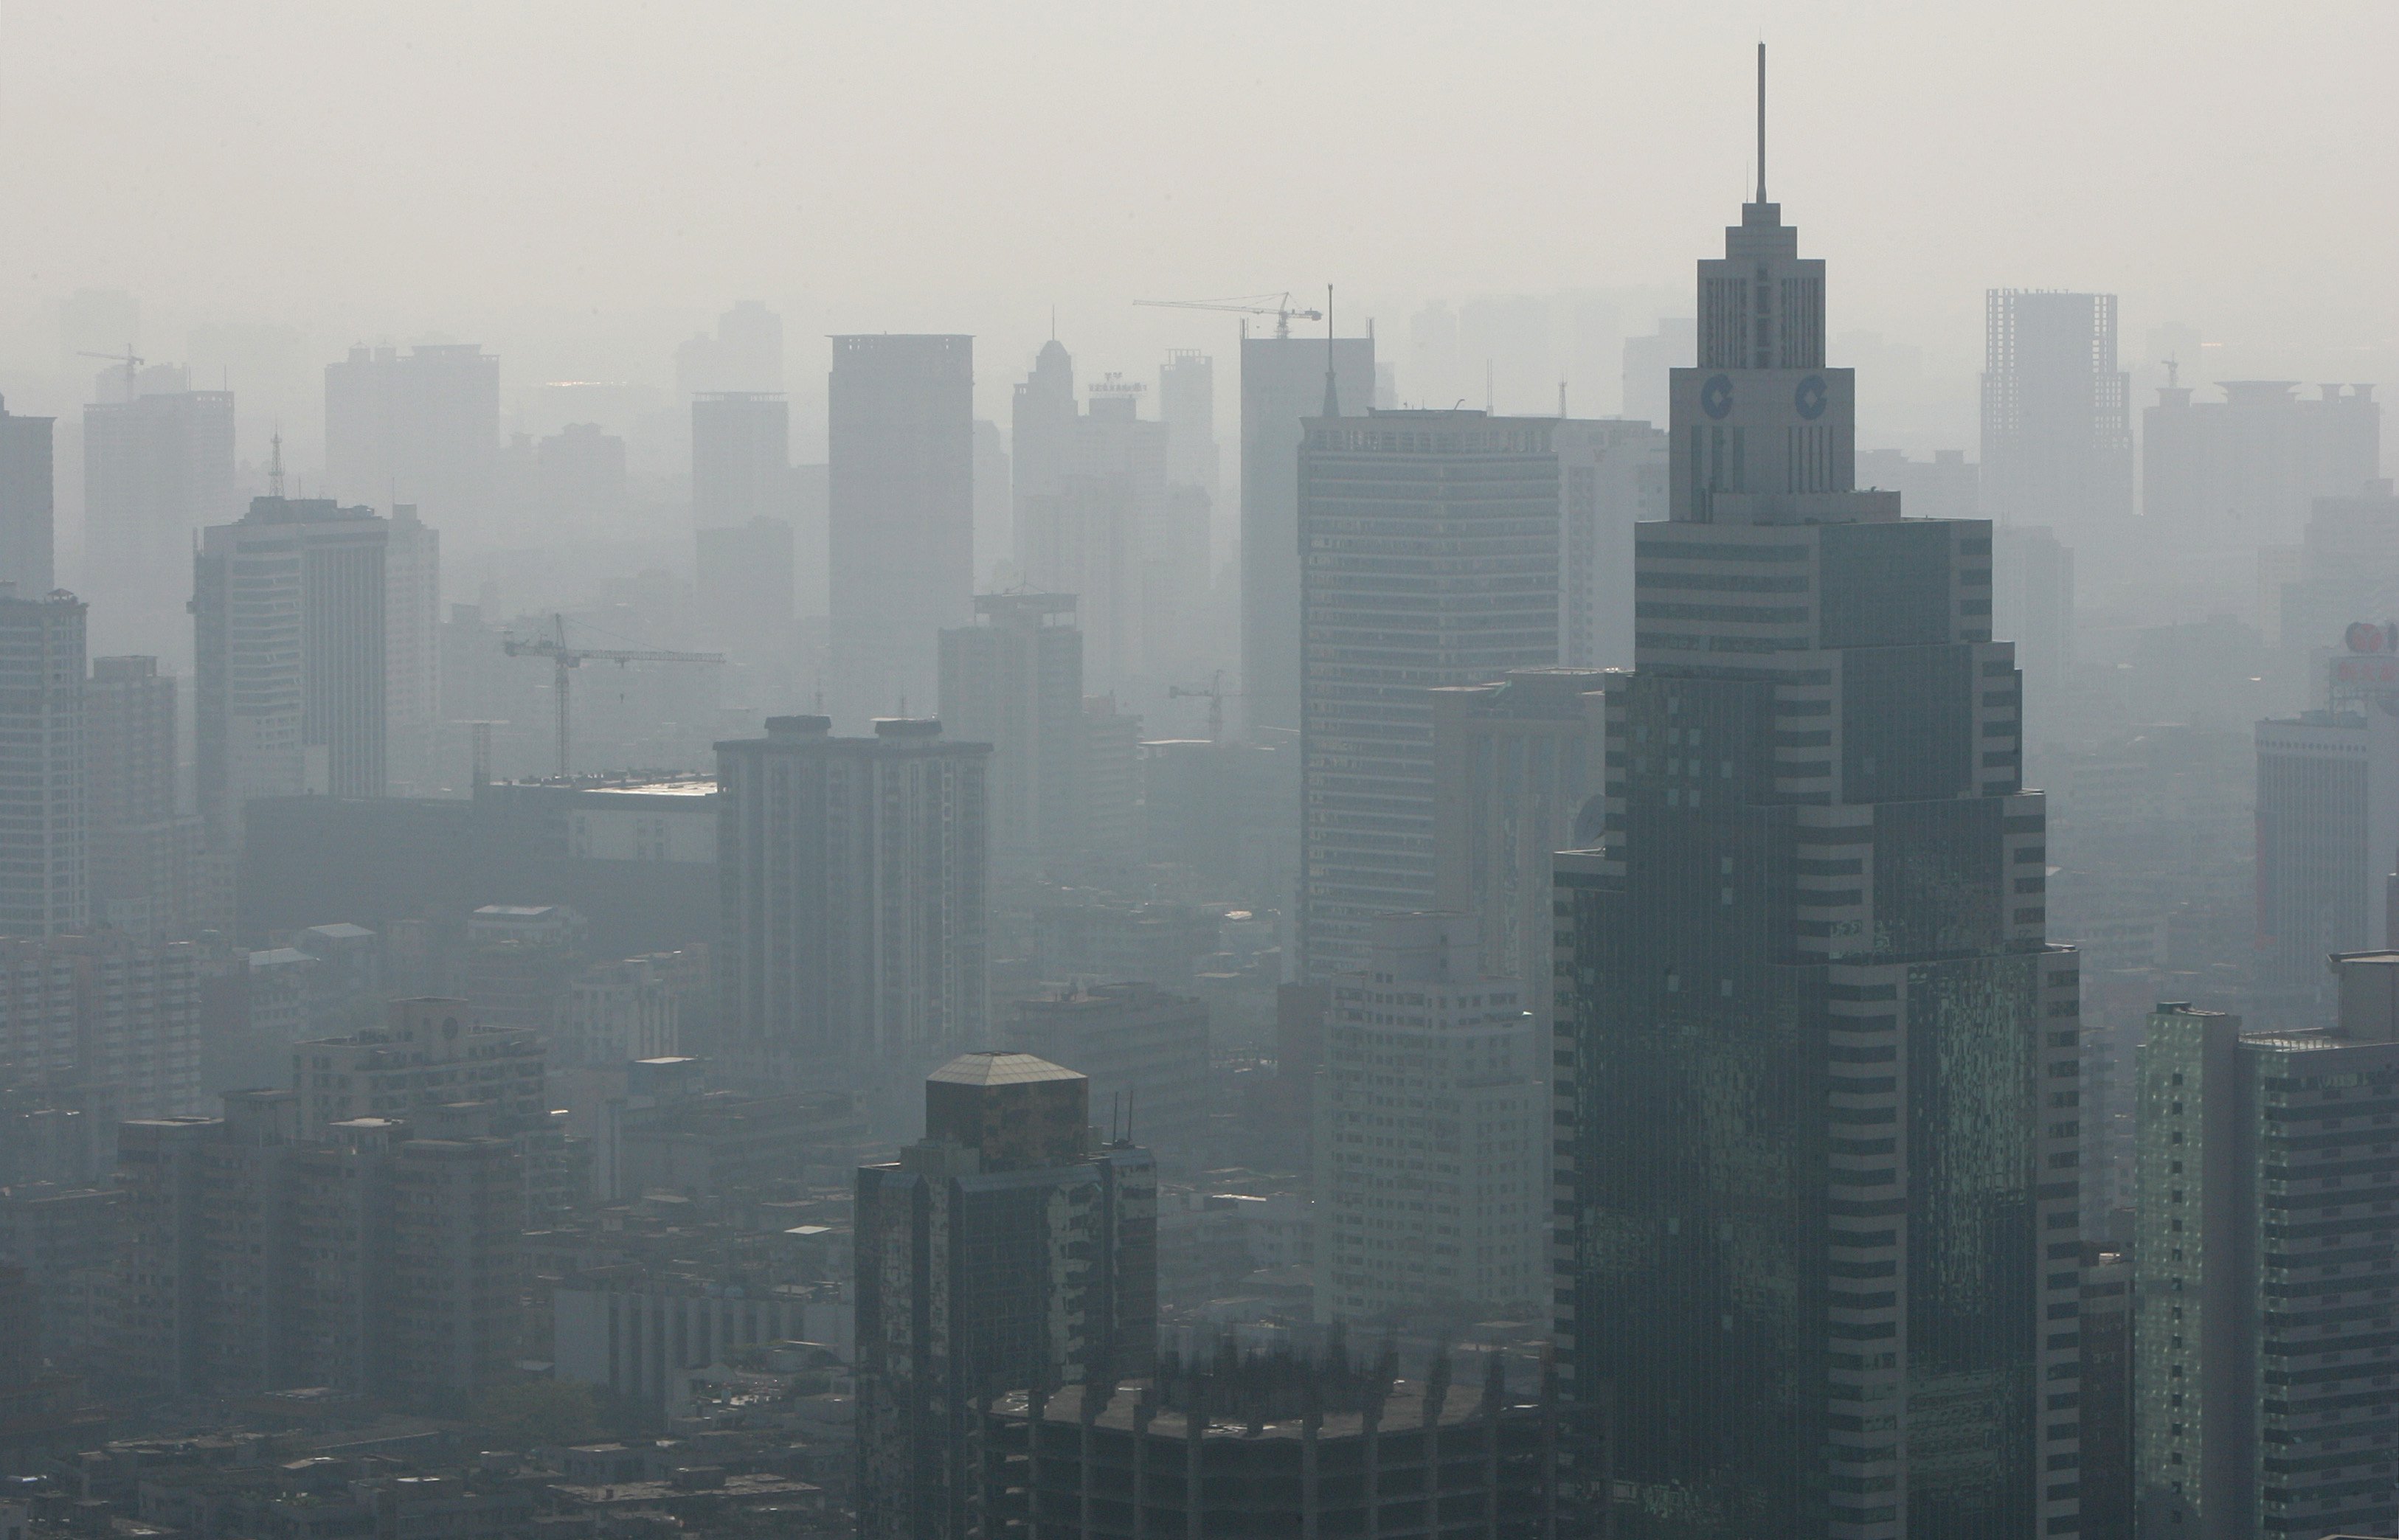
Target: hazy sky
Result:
[[593, 181]]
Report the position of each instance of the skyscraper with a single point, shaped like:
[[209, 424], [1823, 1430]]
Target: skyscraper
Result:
[[1519, 770], [145, 856], [902, 514], [26, 515], [1283, 379], [1002, 1252], [1429, 544], [156, 469], [2262, 1270], [741, 458], [1432, 1131], [2057, 416], [1041, 432], [412, 615], [1098, 521], [1612, 474], [1015, 682], [288, 619], [421, 428], [1817, 1065], [2233, 475], [853, 876], [1186, 404], [44, 877]]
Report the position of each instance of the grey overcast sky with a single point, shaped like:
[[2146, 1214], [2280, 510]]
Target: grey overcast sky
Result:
[[424, 168]]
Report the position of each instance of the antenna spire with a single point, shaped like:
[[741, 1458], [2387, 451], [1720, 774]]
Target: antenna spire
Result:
[[275, 467], [1761, 120]]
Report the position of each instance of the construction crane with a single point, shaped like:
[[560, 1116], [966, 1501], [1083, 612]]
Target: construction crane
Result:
[[564, 657], [130, 360], [1245, 304], [1215, 695]]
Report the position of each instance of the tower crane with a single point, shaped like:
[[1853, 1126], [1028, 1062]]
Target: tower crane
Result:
[[1245, 304], [130, 360], [564, 657], [1215, 695]]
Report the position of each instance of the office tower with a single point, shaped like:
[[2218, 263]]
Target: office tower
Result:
[[421, 428], [1430, 544], [1093, 519], [142, 855], [1612, 474], [289, 622], [43, 832], [27, 525], [2328, 820], [1650, 361], [2057, 416], [2032, 602], [1143, 1051], [853, 873], [1518, 772], [1002, 1252], [744, 578], [741, 459], [1111, 783], [1283, 381], [2263, 1269], [745, 354], [102, 1024], [578, 476], [1015, 680], [2347, 570], [995, 515], [1432, 1088], [900, 514], [1816, 1065], [2107, 1408], [377, 1257], [1186, 404], [412, 652], [1296, 1435], [156, 469], [2232, 475]]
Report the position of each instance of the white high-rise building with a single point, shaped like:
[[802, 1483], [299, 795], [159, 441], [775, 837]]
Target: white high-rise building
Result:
[[1432, 1132]]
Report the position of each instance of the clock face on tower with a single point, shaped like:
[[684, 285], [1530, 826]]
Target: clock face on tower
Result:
[[1810, 398], [1716, 397]]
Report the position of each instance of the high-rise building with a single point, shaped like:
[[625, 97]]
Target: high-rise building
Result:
[[1284, 380], [421, 428], [1650, 361], [157, 469], [2233, 475], [1611, 475], [1143, 1051], [741, 458], [2328, 821], [1519, 771], [744, 578], [27, 522], [853, 873], [901, 516], [745, 354], [2262, 1270], [101, 1024], [45, 879], [1093, 519], [1002, 1252], [412, 651], [995, 515], [1186, 404], [1015, 680], [2057, 416], [142, 855], [1431, 1134], [1816, 1074], [289, 621], [2347, 570], [1430, 558]]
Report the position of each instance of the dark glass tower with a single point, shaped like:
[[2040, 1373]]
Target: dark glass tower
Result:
[[1817, 1064]]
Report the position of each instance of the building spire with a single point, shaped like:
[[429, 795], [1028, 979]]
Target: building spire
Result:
[[1332, 392], [275, 467], [1761, 120]]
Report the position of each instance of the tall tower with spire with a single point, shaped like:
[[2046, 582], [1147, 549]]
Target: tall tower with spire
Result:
[[1818, 1074]]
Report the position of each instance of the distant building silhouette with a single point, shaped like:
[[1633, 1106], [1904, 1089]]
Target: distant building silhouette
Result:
[[27, 515], [421, 426], [741, 459], [1015, 680], [2232, 475], [156, 469], [901, 513], [2057, 416]]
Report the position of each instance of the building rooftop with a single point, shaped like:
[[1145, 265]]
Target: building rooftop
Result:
[[996, 1068]]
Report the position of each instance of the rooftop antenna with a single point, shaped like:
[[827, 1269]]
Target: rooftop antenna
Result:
[[1332, 394], [275, 465], [1761, 120], [2173, 370]]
